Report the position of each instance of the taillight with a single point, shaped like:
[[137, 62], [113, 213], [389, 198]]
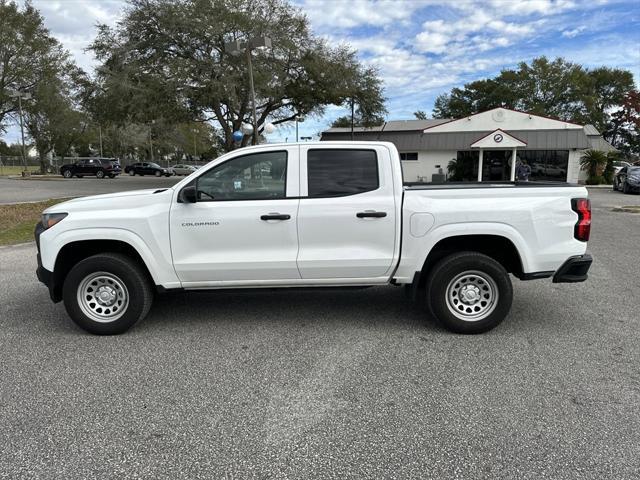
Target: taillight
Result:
[[582, 206]]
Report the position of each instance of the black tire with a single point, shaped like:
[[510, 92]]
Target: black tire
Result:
[[488, 283], [132, 173], [615, 186], [100, 174], [111, 175], [67, 174], [625, 187], [158, 173], [139, 292]]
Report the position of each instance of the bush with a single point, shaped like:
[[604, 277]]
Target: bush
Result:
[[595, 180]]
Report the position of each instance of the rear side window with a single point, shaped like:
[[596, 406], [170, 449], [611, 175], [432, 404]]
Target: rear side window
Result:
[[336, 173]]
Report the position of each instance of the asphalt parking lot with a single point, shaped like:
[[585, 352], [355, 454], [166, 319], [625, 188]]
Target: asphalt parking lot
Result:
[[330, 384]]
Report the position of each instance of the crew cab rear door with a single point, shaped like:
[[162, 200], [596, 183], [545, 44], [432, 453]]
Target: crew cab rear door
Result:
[[347, 214], [242, 229]]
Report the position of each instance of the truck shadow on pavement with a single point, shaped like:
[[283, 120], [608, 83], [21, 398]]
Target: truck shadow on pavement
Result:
[[294, 307]]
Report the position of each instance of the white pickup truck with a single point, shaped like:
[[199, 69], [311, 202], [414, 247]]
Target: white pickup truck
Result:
[[320, 214]]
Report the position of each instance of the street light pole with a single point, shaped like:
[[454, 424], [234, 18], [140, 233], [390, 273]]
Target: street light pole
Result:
[[234, 48], [253, 97]]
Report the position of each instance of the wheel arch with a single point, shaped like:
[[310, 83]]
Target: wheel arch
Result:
[[499, 247], [75, 251]]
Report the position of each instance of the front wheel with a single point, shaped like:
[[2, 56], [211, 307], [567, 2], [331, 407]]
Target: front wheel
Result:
[[469, 292], [132, 173], [106, 294], [625, 187], [157, 174]]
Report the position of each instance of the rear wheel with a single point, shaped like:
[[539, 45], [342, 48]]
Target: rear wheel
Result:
[[615, 186], [67, 174], [469, 292], [158, 173], [106, 294], [132, 173], [100, 174]]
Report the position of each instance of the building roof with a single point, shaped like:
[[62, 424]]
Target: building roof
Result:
[[591, 130], [411, 141], [394, 126]]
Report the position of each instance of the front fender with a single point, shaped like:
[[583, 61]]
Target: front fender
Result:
[[160, 268]]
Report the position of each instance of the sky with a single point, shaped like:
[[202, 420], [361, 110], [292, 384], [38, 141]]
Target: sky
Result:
[[421, 48]]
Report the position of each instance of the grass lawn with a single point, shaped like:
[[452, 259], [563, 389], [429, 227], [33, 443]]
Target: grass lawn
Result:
[[17, 170], [18, 221]]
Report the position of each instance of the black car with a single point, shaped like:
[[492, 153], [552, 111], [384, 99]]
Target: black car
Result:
[[147, 168], [627, 179], [99, 167]]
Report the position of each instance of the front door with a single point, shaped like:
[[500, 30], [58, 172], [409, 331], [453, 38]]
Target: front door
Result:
[[347, 216], [242, 229], [496, 165]]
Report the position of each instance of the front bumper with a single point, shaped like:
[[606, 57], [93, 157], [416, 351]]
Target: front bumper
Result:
[[574, 270], [44, 275]]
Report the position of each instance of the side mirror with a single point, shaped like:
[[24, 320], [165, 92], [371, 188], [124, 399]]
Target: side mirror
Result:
[[188, 194]]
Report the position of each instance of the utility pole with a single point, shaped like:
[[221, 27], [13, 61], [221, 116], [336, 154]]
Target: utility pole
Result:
[[100, 135], [352, 112], [20, 96]]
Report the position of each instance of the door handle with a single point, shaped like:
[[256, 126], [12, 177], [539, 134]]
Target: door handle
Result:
[[371, 214], [275, 216]]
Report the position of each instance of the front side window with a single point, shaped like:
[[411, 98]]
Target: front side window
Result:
[[336, 173], [258, 176]]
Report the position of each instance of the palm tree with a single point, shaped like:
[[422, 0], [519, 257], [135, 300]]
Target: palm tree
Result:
[[592, 161]]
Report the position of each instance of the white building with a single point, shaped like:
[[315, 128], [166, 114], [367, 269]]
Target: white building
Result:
[[484, 146]]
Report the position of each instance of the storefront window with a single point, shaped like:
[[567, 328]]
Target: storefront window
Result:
[[546, 164], [464, 168]]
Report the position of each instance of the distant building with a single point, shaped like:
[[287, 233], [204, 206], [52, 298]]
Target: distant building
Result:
[[484, 146]]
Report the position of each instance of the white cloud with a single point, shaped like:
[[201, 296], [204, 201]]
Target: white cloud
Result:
[[349, 14], [573, 32]]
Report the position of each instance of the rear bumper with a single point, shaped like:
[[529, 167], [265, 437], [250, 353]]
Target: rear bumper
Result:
[[574, 270]]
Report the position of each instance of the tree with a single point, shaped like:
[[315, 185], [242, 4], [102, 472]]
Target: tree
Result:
[[557, 88], [167, 59], [625, 124], [26, 50], [593, 162], [420, 115]]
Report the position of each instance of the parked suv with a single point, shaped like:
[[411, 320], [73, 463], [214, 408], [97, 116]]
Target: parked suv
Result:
[[147, 168], [100, 167]]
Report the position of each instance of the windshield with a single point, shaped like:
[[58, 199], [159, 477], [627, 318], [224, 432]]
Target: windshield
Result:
[[633, 170]]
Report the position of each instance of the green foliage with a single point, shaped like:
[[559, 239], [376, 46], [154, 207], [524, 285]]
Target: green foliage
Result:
[[420, 115], [609, 169], [167, 60], [555, 88], [595, 180], [27, 53], [358, 121], [593, 162]]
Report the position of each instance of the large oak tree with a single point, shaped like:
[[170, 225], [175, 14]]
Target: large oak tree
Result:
[[167, 59]]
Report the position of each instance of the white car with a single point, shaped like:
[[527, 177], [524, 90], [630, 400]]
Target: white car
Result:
[[325, 214], [181, 169]]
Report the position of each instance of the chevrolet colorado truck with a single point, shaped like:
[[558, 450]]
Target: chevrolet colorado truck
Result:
[[324, 214]]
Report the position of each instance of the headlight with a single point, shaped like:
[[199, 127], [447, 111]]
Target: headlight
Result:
[[50, 219]]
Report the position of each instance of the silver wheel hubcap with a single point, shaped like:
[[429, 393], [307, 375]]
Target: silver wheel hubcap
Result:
[[103, 297], [472, 295]]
